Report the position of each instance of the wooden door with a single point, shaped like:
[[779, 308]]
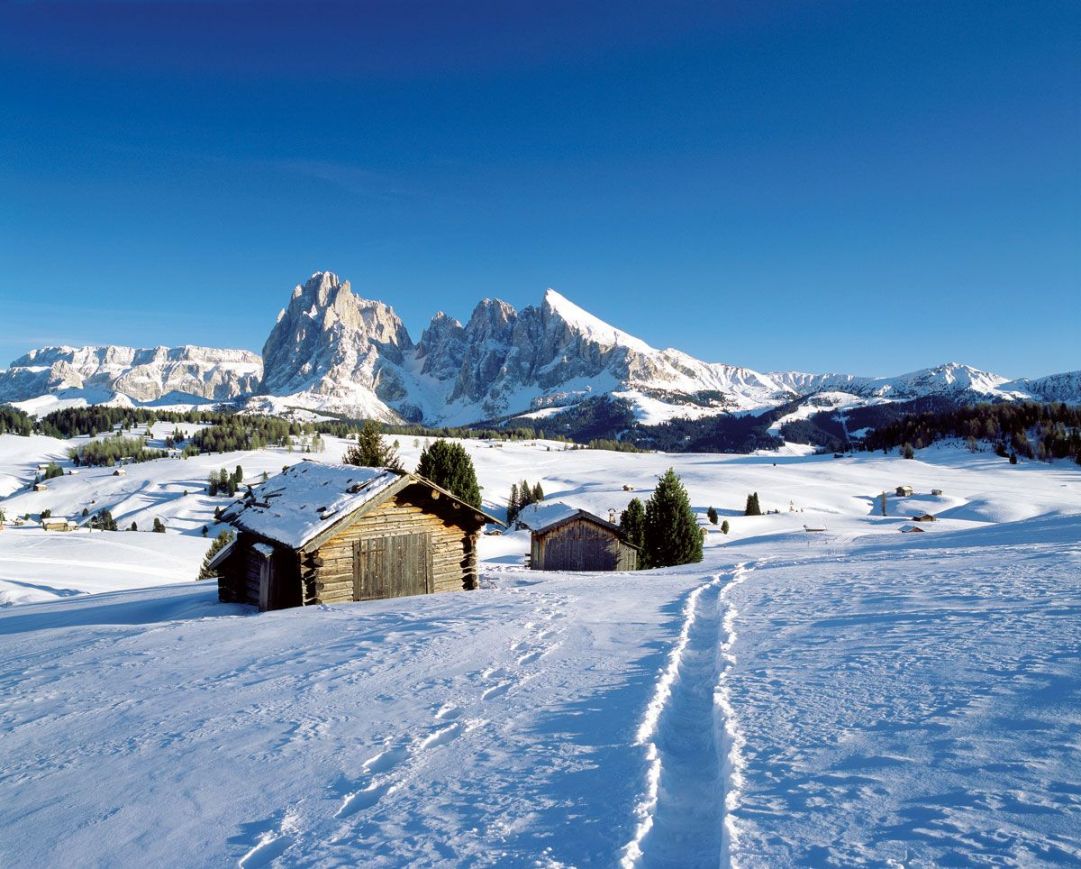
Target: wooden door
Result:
[[395, 565]]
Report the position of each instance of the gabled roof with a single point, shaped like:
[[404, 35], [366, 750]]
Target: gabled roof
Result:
[[306, 500], [543, 517]]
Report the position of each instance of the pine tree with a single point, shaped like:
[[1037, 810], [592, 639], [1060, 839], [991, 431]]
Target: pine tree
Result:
[[513, 506], [238, 475], [538, 493], [370, 451], [753, 508], [671, 529], [103, 520], [159, 527], [220, 542], [448, 465], [632, 522], [711, 515], [133, 526], [725, 527], [907, 452]]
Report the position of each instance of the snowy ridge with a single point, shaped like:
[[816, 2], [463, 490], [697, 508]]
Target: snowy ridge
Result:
[[95, 375], [591, 328], [333, 351]]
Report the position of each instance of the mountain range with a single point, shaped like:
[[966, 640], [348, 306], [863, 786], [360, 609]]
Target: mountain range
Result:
[[332, 350]]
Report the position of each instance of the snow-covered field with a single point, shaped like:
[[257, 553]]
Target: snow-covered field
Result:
[[848, 697]]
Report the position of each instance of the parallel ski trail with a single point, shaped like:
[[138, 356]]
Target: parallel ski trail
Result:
[[692, 742]]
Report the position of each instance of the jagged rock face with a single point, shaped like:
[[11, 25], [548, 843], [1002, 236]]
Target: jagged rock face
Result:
[[332, 350], [143, 375], [330, 342]]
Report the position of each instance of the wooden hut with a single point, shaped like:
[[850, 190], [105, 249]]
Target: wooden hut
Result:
[[566, 538], [904, 491], [320, 533]]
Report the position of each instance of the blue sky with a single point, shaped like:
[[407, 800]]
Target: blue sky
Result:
[[869, 187]]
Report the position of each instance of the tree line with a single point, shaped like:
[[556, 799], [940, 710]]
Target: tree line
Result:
[[1034, 430]]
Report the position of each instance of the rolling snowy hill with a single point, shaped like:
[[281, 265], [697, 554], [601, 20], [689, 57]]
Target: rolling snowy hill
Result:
[[854, 696]]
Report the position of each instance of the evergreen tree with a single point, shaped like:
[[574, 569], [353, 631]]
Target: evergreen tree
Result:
[[238, 475], [158, 526], [103, 520], [538, 493], [370, 451], [725, 527], [133, 526], [711, 515], [907, 452], [632, 522], [448, 465], [220, 542], [671, 530], [217, 514], [753, 508], [513, 506], [86, 512]]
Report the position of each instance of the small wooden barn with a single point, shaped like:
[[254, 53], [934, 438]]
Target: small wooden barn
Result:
[[904, 491], [58, 523], [320, 533], [566, 538]]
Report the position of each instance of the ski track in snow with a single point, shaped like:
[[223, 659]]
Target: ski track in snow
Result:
[[691, 740]]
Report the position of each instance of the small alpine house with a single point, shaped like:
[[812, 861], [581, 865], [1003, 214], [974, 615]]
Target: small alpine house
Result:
[[567, 538], [320, 533]]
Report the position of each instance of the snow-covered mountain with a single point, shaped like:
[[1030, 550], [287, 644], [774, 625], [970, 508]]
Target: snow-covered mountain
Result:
[[101, 374], [950, 378], [332, 350]]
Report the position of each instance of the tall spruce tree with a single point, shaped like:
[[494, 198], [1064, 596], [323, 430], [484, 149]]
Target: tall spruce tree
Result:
[[448, 465], [369, 451], [671, 533], [711, 515], [753, 508], [632, 522], [513, 503]]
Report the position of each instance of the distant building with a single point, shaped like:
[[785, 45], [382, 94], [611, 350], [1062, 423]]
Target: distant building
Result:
[[923, 517], [909, 529], [937, 493], [58, 523], [119, 472], [904, 491], [567, 538], [41, 487]]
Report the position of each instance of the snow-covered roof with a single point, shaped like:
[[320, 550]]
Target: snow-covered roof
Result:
[[539, 516], [547, 514], [304, 500]]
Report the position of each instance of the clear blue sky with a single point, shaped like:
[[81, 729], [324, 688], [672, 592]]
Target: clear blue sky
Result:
[[866, 186]]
